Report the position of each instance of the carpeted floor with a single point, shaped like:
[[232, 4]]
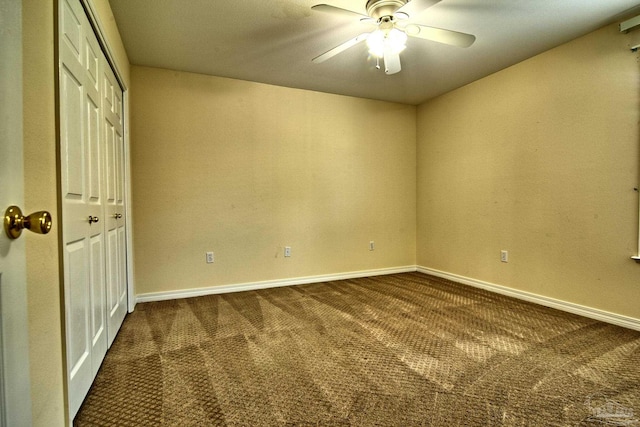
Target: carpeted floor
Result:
[[399, 350]]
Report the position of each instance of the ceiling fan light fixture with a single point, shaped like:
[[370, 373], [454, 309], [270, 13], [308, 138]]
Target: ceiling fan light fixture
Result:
[[389, 39], [393, 41]]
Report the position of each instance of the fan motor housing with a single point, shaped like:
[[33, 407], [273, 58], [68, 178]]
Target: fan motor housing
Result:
[[379, 8]]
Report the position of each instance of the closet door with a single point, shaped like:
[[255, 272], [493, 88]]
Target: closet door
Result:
[[81, 161], [92, 199], [114, 198]]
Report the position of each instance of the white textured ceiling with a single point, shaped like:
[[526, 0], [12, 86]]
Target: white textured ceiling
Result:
[[273, 41]]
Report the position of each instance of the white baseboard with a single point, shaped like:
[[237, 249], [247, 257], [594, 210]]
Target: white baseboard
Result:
[[223, 289], [592, 313]]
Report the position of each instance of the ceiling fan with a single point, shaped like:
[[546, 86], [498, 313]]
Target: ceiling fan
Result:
[[393, 21]]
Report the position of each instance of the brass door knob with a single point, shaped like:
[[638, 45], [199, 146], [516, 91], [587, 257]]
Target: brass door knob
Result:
[[93, 219], [117, 216], [15, 222]]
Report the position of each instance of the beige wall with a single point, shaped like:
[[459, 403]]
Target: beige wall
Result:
[[244, 169], [539, 159], [43, 284]]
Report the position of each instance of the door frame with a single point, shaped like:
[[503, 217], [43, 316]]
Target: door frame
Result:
[[91, 11]]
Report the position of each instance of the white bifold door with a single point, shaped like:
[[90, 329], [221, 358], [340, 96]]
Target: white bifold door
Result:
[[92, 199]]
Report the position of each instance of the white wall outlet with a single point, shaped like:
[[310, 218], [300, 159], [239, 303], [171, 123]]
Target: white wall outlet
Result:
[[504, 256], [372, 245], [209, 257], [287, 251]]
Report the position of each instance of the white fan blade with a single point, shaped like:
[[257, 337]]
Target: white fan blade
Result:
[[415, 7], [338, 11], [439, 35], [340, 48], [391, 62]]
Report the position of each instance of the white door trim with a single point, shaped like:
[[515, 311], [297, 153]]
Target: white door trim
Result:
[[94, 19]]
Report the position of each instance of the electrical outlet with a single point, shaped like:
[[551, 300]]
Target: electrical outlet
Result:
[[372, 245], [209, 257], [287, 251], [504, 256]]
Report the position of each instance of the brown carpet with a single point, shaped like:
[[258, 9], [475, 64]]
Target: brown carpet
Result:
[[399, 350]]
